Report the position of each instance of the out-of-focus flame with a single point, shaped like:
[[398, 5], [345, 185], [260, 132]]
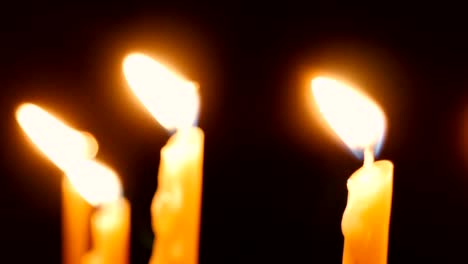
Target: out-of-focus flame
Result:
[[62, 144], [95, 182], [170, 98], [354, 117]]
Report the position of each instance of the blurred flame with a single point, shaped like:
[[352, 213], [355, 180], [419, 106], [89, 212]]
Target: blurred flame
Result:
[[95, 182], [169, 97], [62, 144], [354, 117]]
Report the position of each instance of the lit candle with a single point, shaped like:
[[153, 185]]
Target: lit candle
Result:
[[360, 123], [175, 210], [110, 223], [63, 145]]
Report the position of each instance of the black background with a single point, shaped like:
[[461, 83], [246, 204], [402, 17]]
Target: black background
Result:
[[274, 177]]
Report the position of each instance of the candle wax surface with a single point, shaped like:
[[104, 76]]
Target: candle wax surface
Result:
[[177, 203], [110, 227], [75, 224], [366, 219]]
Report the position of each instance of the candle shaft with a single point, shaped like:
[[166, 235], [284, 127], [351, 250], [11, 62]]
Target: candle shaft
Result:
[[110, 227], [75, 224], [177, 202], [366, 219]]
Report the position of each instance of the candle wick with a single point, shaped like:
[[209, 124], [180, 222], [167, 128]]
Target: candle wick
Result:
[[368, 157]]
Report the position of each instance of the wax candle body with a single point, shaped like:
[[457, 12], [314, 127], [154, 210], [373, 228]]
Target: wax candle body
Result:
[[366, 219], [75, 224], [110, 227], [176, 205]]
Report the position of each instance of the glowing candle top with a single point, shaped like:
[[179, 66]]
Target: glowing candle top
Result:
[[170, 98]]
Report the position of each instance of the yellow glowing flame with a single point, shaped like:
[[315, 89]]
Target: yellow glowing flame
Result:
[[169, 97], [357, 120], [62, 144], [95, 182]]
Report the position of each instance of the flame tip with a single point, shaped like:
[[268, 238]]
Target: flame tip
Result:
[[24, 107], [170, 98], [353, 116], [61, 143]]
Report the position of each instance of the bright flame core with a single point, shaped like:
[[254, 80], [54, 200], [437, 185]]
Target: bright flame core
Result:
[[354, 117], [169, 97], [96, 183], [62, 144]]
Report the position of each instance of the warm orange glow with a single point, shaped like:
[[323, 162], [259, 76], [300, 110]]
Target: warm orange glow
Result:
[[169, 97], [357, 120], [95, 182], [62, 144]]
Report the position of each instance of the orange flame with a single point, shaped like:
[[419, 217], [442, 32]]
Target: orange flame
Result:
[[171, 99], [354, 117], [62, 144]]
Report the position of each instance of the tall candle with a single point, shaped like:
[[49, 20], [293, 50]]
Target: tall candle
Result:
[[62, 145], [360, 123], [175, 209], [110, 223]]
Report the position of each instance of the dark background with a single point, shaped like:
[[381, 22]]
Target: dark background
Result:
[[274, 177]]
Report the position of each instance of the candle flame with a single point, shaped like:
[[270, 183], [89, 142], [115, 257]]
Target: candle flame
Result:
[[95, 182], [354, 117], [169, 97], [62, 144]]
